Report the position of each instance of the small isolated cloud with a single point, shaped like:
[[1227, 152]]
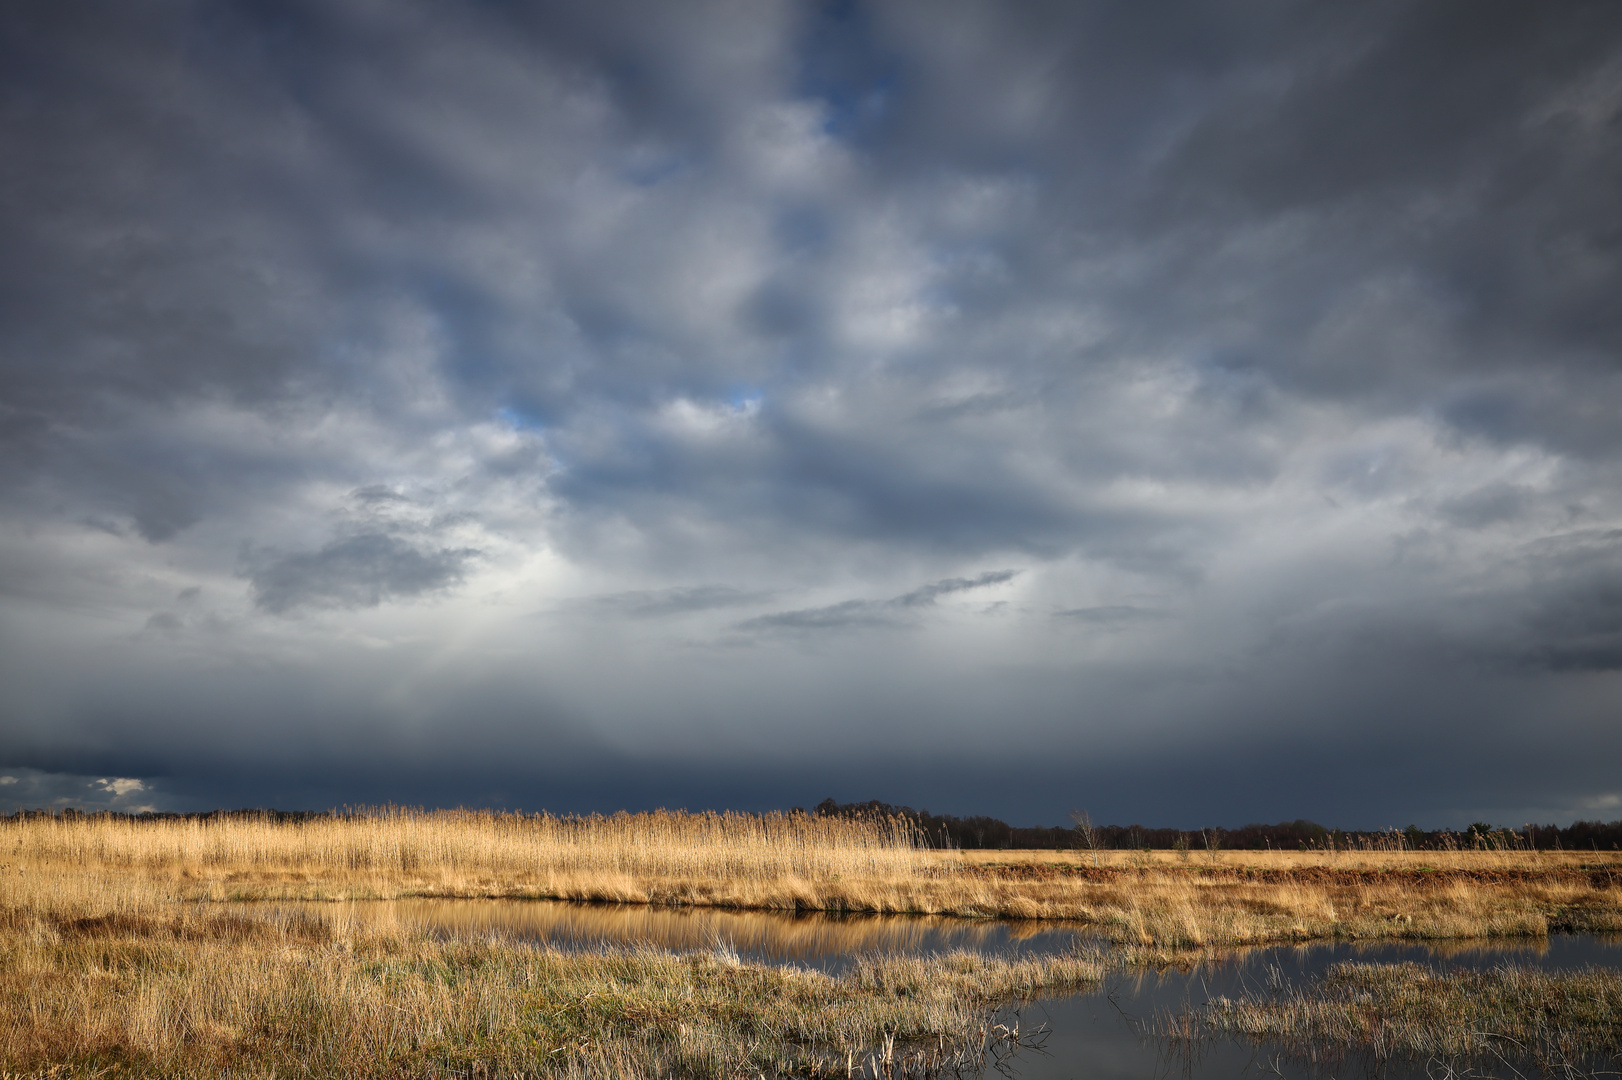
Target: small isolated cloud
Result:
[[25, 788], [926, 595], [378, 494], [850, 614], [682, 600], [1111, 616], [119, 786], [1486, 506], [857, 614], [165, 622], [360, 571]]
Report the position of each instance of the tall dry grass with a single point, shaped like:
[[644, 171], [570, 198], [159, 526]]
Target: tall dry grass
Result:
[[391, 843], [793, 861]]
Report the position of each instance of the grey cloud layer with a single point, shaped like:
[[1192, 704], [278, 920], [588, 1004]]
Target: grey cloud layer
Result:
[[337, 340]]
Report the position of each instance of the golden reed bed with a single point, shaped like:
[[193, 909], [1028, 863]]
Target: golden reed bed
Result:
[[796, 862], [116, 960]]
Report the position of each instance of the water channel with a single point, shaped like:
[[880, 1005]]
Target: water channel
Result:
[[1099, 1035]]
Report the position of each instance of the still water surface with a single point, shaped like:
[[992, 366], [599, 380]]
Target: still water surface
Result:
[[825, 942], [1098, 1035]]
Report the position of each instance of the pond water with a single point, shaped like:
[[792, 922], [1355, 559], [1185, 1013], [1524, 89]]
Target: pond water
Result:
[[1099, 1035], [815, 940], [1102, 1035]]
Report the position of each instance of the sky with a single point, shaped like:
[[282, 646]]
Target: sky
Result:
[[1190, 413]]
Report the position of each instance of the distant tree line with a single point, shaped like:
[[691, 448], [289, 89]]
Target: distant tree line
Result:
[[988, 833]]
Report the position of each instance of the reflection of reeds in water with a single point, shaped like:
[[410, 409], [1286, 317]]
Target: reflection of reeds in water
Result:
[[1300, 955], [771, 935]]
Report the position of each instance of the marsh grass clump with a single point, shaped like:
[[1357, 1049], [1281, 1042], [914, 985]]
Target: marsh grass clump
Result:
[[181, 989], [1555, 1021]]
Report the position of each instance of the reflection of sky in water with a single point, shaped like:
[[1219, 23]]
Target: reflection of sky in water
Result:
[[1097, 1035], [1100, 1035], [827, 941]]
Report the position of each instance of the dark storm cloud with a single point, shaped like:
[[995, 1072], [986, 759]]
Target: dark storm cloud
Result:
[[1362, 204], [358, 571], [1575, 621], [1277, 344]]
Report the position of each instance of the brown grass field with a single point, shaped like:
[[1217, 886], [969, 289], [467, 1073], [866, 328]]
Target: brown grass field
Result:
[[117, 956]]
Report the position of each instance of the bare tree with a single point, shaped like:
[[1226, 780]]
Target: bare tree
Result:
[[1086, 830]]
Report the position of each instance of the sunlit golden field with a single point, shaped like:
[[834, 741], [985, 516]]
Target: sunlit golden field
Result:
[[118, 951], [796, 862], [115, 956]]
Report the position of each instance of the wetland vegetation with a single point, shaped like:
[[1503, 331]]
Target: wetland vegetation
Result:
[[1167, 900], [1562, 1022], [193, 991], [118, 955]]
